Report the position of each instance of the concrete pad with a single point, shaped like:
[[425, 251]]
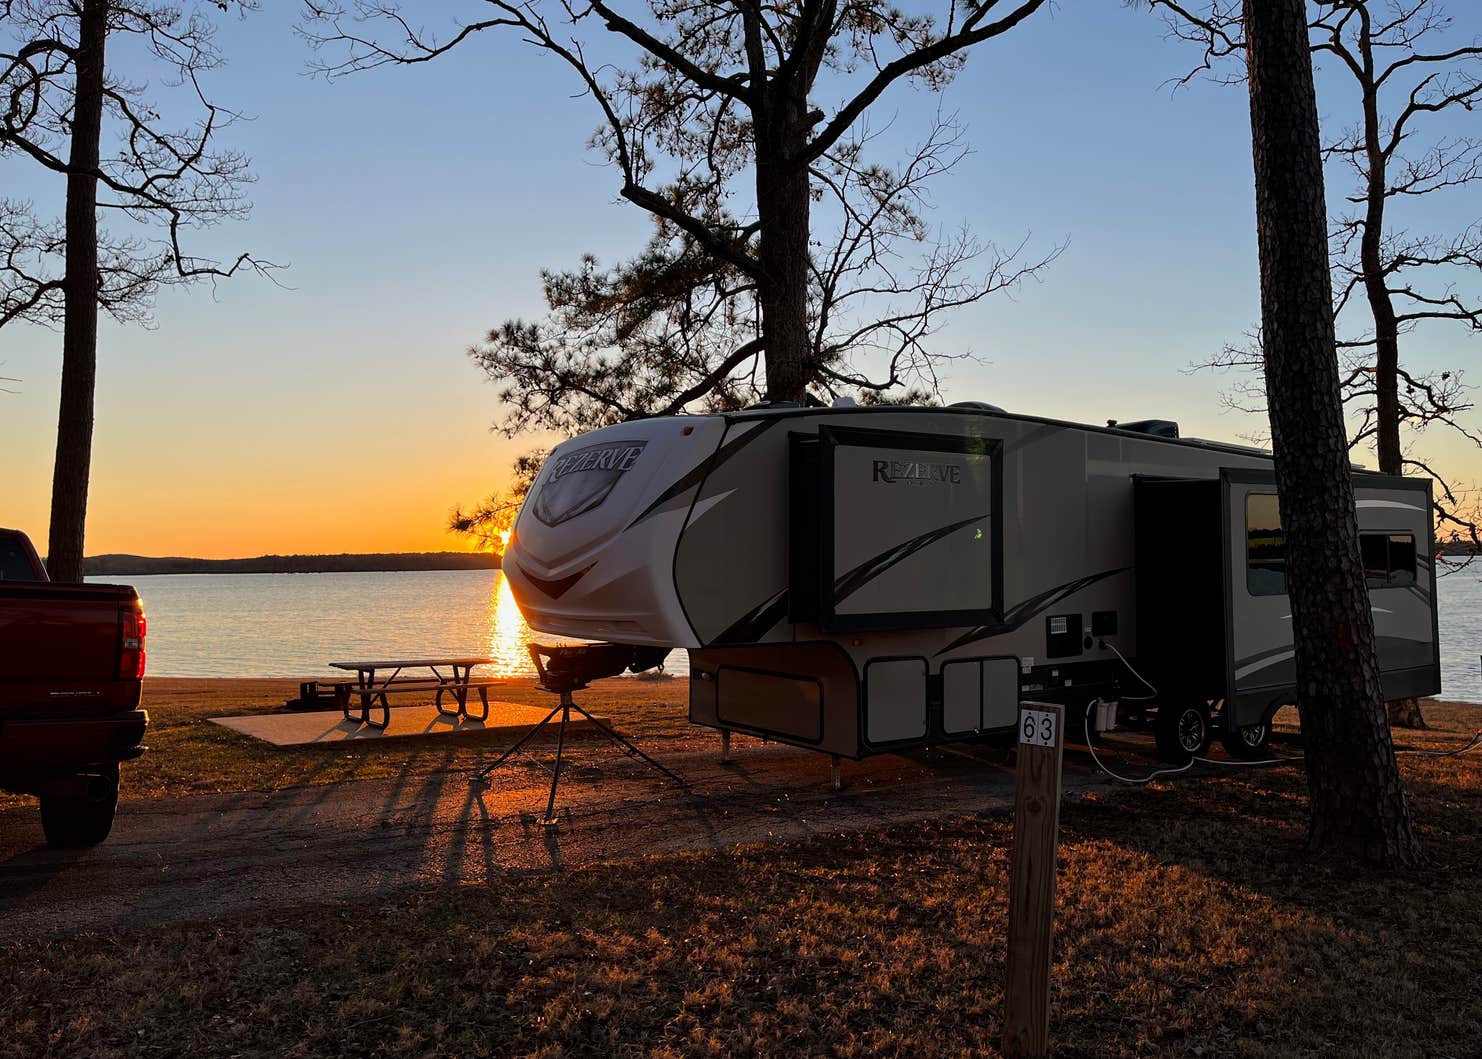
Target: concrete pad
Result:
[[330, 726]]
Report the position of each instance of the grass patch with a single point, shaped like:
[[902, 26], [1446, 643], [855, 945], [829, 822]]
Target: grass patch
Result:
[[1189, 923], [189, 755]]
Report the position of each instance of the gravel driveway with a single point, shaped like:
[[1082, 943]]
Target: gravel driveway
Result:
[[204, 855]]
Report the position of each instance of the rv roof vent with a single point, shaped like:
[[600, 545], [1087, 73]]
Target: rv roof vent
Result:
[[977, 406], [1159, 428]]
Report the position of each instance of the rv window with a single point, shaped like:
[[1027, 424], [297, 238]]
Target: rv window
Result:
[[1389, 559], [1265, 546]]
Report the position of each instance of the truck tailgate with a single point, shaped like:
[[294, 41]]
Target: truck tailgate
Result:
[[60, 649]]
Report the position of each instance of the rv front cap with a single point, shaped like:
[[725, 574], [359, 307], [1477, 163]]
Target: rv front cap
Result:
[[579, 481], [599, 458]]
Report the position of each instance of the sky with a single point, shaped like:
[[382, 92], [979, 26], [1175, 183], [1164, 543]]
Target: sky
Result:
[[337, 409]]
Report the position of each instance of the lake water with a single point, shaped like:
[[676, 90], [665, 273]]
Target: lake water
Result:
[[291, 625]]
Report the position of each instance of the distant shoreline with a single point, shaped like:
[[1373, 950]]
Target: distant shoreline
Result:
[[373, 562]]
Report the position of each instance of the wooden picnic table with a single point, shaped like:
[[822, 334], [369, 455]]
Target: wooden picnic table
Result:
[[449, 676]]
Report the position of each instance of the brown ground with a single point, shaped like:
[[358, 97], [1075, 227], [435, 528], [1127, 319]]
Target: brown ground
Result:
[[193, 856], [1189, 922], [188, 755]]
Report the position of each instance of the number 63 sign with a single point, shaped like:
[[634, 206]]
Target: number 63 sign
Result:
[[1026, 1021], [1037, 727]]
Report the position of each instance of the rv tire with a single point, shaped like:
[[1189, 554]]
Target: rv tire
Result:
[[1182, 732], [1249, 743]]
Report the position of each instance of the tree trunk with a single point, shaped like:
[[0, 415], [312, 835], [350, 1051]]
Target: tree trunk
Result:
[[1402, 713], [1405, 713], [782, 246], [80, 319], [1358, 803]]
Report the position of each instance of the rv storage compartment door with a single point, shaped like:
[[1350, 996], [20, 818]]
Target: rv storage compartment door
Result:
[[979, 694], [895, 700], [771, 702], [908, 530]]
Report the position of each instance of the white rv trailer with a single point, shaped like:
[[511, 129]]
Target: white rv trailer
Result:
[[865, 580]]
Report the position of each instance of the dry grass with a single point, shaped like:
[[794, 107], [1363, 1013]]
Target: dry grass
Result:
[[189, 755], [1189, 923]]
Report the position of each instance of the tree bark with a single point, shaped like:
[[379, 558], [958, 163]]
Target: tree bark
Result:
[[1402, 713], [1357, 801], [782, 243], [80, 316], [1376, 289], [1405, 713]]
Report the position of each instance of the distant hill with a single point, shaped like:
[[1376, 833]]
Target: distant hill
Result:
[[133, 565]]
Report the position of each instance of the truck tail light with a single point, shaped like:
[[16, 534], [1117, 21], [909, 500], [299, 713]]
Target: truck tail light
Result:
[[131, 631]]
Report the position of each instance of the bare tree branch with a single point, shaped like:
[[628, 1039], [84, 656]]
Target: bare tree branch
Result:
[[712, 128], [160, 181]]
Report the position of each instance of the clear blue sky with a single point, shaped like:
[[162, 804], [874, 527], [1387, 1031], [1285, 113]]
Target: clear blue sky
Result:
[[416, 206]]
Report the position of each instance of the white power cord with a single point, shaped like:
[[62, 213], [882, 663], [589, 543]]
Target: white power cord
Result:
[[1194, 760], [1142, 679], [1135, 782], [1472, 744], [1139, 781]]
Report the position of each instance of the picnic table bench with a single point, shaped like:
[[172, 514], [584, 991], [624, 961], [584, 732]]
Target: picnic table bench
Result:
[[450, 676]]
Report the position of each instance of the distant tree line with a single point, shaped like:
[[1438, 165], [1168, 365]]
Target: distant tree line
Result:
[[1456, 546], [136, 565]]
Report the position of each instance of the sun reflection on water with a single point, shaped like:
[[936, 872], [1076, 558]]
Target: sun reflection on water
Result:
[[508, 633]]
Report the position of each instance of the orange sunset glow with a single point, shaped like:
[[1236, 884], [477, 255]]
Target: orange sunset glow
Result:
[[301, 484], [508, 633]]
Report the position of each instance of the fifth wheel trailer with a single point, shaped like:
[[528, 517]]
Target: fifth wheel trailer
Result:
[[866, 580]]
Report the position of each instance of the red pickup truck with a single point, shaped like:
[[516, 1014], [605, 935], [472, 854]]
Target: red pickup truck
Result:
[[71, 677]]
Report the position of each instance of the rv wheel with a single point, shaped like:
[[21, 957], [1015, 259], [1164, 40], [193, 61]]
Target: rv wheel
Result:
[[1182, 732], [1248, 743]]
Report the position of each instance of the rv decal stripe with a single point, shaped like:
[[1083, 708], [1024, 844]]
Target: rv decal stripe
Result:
[[1261, 656], [556, 588], [1020, 614], [851, 582], [756, 622], [1264, 664], [701, 471]]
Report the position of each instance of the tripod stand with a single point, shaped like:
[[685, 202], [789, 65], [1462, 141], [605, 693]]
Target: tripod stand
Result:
[[573, 665]]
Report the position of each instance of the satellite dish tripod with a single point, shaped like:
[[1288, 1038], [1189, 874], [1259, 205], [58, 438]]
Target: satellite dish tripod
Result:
[[563, 669]]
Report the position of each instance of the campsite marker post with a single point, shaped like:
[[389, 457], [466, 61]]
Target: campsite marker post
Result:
[[1026, 1020]]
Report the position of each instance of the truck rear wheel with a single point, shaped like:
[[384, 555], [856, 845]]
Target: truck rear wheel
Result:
[[1182, 732], [72, 822]]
